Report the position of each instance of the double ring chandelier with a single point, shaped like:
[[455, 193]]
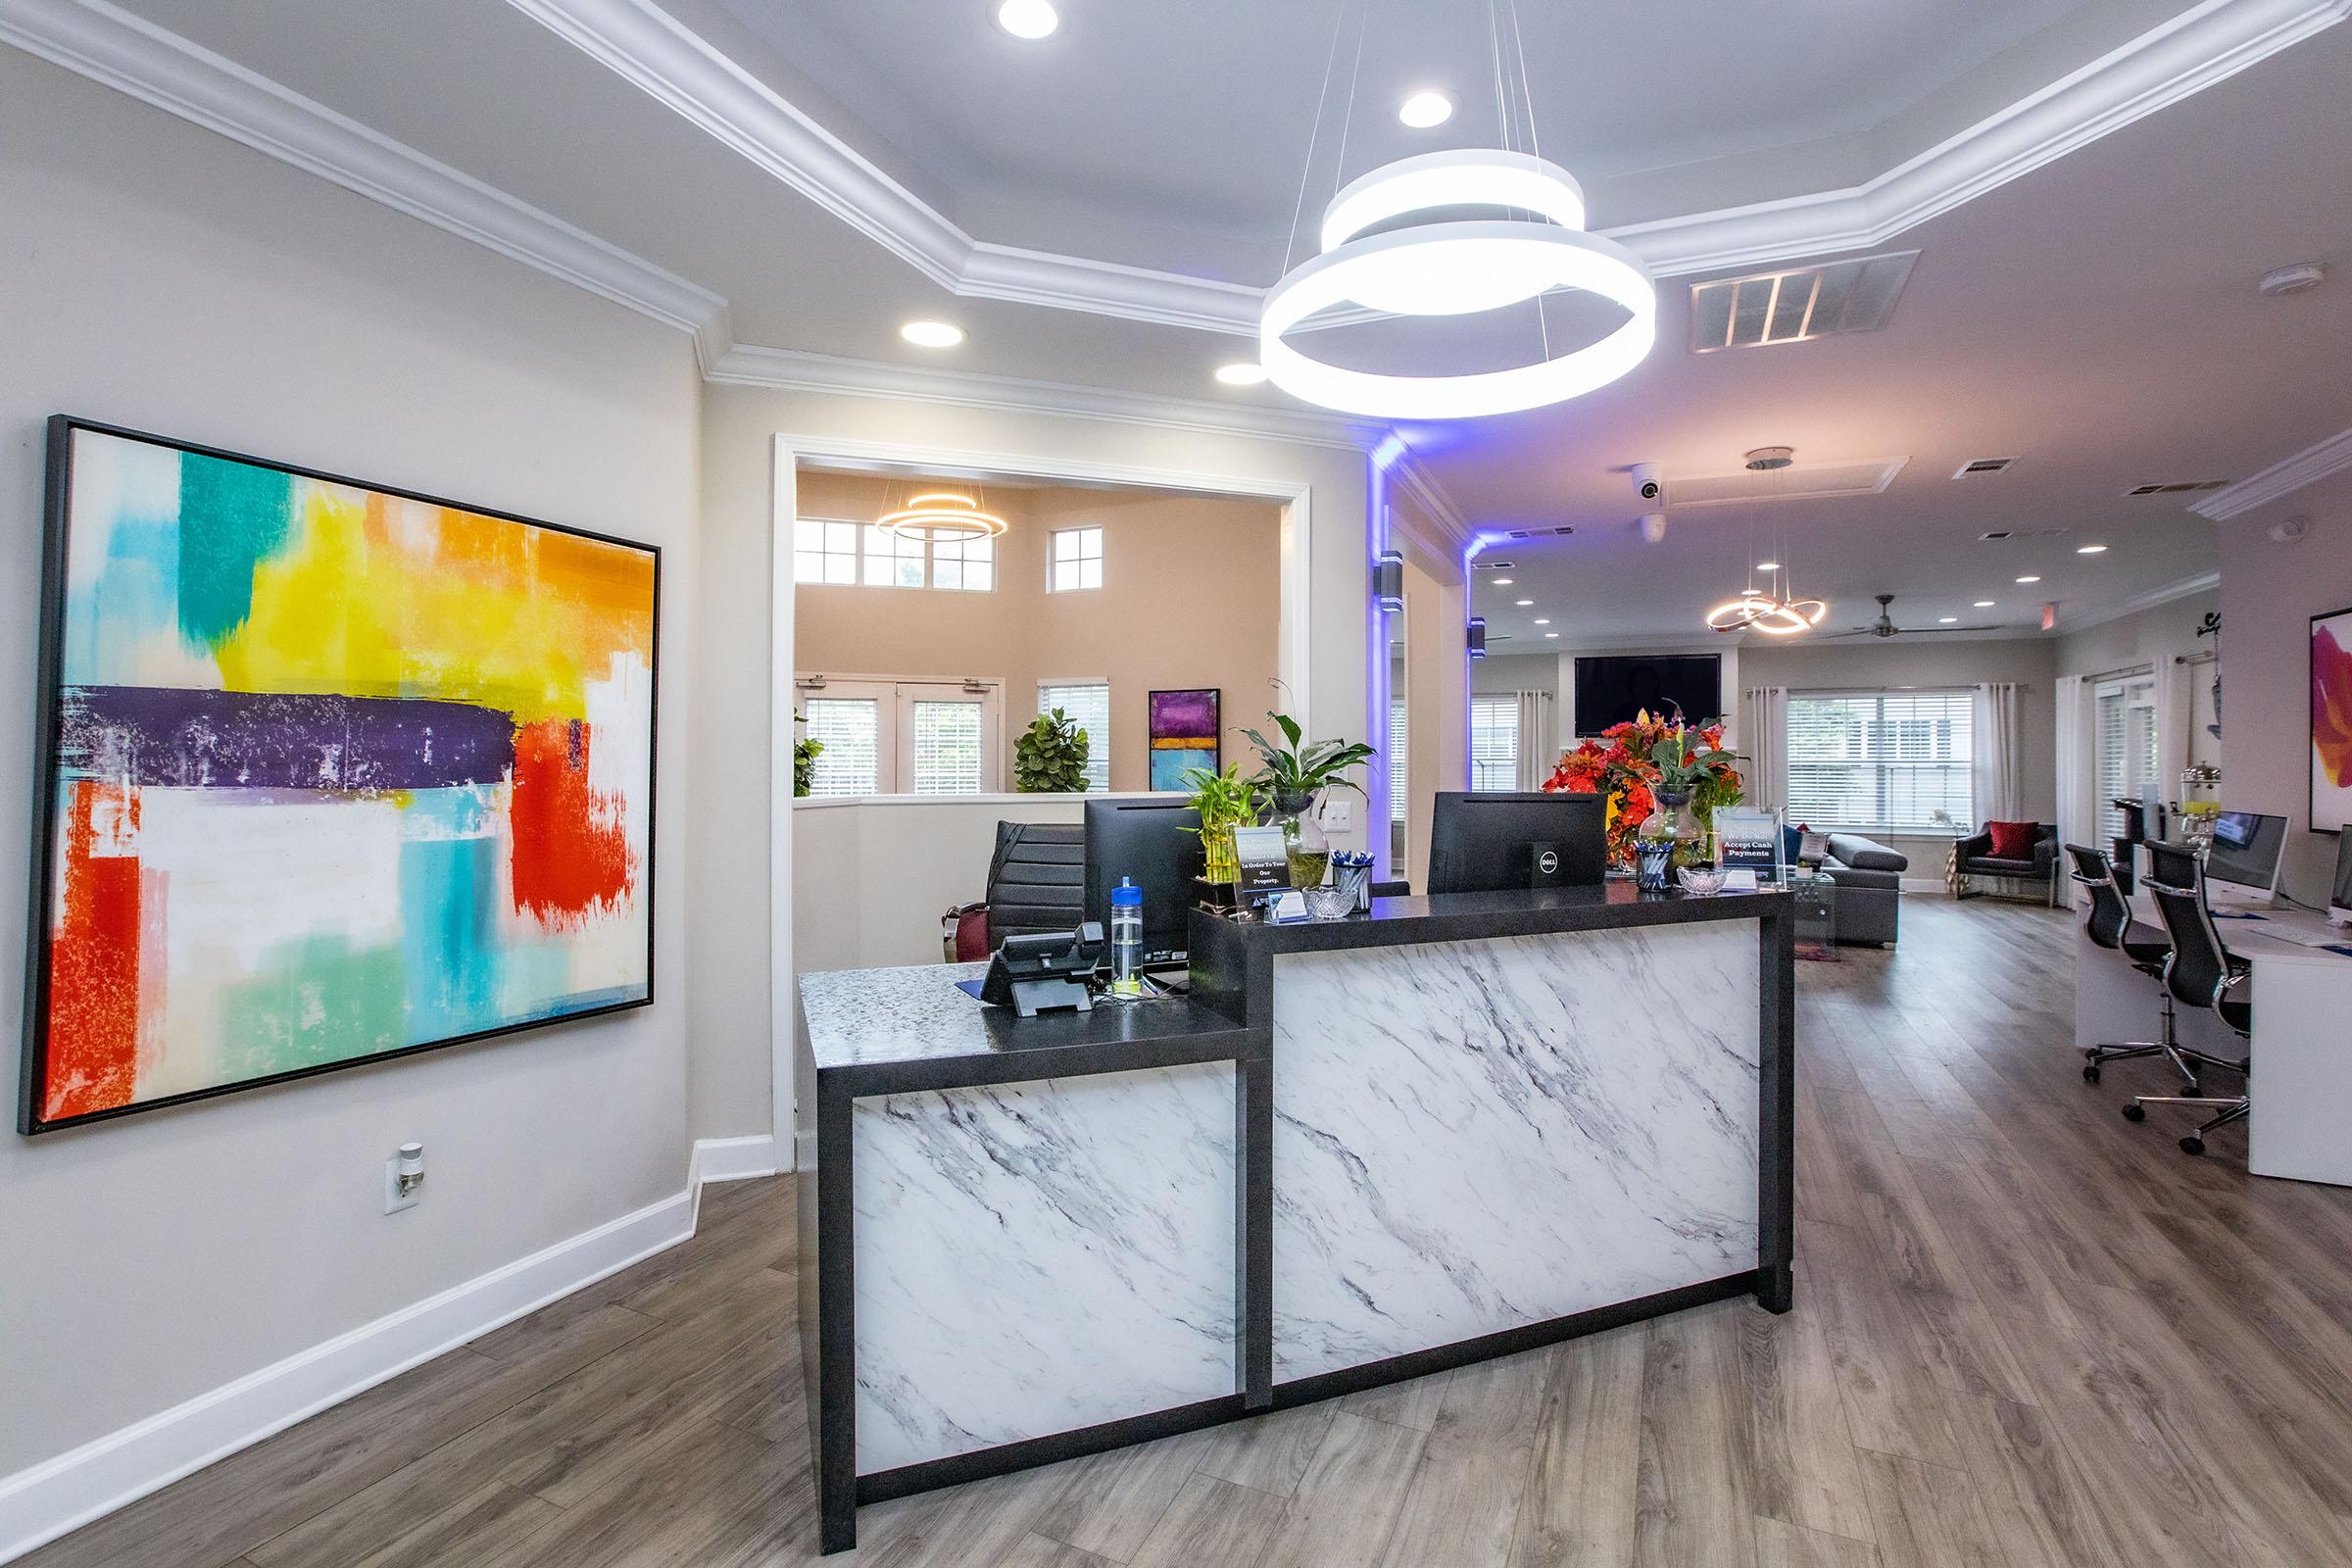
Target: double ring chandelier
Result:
[[1374, 258], [941, 516]]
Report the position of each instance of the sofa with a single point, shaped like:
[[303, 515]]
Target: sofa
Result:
[[1870, 889], [1973, 857]]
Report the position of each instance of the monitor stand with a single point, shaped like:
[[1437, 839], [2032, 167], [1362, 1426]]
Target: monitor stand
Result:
[[1546, 866]]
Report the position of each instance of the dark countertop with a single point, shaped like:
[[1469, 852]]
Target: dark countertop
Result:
[[1465, 916]]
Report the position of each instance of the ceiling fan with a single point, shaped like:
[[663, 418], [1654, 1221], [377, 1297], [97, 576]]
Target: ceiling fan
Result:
[[1886, 626]]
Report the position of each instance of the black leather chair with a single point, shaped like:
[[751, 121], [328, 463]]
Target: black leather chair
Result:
[[1036, 884], [2107, 921], [2203, 973], [1975, 858]]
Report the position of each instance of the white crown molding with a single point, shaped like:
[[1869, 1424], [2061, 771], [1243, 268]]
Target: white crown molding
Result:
[[2202, 582], [2284, 477], [133, 55], [649, 48], [1449, 533], [792, 370], [2160, 67]]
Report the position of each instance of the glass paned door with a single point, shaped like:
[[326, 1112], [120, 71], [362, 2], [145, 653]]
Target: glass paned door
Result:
[[948, 740]]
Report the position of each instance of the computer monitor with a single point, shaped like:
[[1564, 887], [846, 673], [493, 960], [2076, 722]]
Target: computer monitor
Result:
[[2339, 892], [1496, 843], [1156, 845], [2242, 866]]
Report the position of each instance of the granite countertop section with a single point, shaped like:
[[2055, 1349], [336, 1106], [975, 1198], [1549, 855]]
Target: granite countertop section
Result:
[[874, 1017], [1468, 917]]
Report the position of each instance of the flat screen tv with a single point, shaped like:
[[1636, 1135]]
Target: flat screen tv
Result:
[[1612, 689]]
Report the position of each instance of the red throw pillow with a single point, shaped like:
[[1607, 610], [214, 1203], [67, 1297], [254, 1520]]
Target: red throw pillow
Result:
[[2012, 841]]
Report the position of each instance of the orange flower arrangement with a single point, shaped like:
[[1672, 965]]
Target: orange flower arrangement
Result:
[[1630, 762]]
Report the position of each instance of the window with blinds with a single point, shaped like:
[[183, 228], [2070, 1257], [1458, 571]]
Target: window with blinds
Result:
[[1890, 762], [851, 729], [1087, 704], [946, 747], [1494, 743], [2125, 746], [1397, 784]]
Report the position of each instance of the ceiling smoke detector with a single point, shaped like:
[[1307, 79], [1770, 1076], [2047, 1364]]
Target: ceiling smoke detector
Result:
[[1764, 460], [2281, 281]]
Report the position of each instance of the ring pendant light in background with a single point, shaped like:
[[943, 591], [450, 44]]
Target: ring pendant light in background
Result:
[[941, 516]]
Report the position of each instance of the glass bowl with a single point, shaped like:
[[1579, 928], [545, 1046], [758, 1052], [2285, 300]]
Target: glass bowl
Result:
[[1701, 880], [1330, 904]]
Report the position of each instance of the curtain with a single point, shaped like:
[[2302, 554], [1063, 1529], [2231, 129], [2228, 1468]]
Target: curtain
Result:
[[1763, 740], [1538, 750], [2078, 794], [1994, 719], [2172, 727]]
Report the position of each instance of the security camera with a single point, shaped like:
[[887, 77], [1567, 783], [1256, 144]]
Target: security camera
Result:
[[1646, 484]]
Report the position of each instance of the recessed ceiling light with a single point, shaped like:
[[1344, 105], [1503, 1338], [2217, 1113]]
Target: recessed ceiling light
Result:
[[1984, 603], [1241, 372], [2030, 577], [2091, 550], [1551, 634], [1542, 620], [1768, 565], [1523, 602], [1502, 582], [932, 334], [1028, 19], [1426, 108], [1947, 621]]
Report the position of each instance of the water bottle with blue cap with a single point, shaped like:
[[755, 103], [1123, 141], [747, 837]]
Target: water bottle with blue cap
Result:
[[1126, 939]]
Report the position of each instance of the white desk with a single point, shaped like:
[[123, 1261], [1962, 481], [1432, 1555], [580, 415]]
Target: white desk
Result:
[[2301, 1126]]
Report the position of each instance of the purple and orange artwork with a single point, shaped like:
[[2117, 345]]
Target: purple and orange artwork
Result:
[[2331, 721], [334, 774], [1184, 733]]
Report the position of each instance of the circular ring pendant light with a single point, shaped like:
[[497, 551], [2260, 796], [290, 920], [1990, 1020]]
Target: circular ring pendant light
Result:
[[1455, 268], [941, 516]]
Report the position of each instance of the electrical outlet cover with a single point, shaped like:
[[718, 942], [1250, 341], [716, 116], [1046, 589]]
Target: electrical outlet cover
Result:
[[394, 1199], [1339, 813]]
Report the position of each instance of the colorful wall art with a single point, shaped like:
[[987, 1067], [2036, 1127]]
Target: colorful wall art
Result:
[[333, 773], [2331, 721], [1185, 735]]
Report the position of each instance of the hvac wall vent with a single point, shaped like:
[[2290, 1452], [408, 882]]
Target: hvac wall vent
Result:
[[1795, 307], [1803, 481], [2197, 488], [1984, 466], [1540, 534]]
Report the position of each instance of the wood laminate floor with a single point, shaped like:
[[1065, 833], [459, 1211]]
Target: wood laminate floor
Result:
[[2027, 1333]]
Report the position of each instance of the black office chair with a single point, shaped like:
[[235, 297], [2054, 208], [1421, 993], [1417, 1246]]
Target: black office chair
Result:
[[2107, 921], [2202, 973]]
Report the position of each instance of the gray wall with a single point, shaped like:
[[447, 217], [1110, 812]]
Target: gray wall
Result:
[[1516, 672], [2268, 593], [162, 277], [2144, 637]]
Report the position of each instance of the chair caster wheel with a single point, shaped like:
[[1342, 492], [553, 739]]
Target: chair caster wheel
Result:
[[2091, 1054], [2135, 1114], [2192, 1144], [2090, 1073]]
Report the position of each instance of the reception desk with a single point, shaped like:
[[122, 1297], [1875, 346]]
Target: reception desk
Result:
[[1358, 1152]]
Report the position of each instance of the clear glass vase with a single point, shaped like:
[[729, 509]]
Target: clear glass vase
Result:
[[1304, 842], [1667, 838]]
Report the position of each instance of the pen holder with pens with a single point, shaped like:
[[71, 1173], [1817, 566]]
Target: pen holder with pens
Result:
[[1351, 874]]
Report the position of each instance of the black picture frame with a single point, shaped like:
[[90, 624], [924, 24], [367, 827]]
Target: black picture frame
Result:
[[2311, 763], [56, 536]]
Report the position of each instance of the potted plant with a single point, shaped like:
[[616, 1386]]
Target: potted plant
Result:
[[1225, 800], [1050, 757], [804, 752], [1293, 774]]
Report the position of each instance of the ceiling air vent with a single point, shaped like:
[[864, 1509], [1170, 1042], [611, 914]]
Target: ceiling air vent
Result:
[[1998, 533], [1795, 307], [1540, 534], [1983, 465], [1493, 565], [2199, 487]]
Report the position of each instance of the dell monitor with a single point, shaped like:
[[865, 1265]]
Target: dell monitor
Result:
[[1496, 843], [1155, 844], [2242, 866], [2339, 892]]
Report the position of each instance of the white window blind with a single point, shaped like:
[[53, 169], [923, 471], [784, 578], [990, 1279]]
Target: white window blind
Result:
[[892, 559], [1890, 762], [851, 729], [1076, 560], [946, 747], [2124, 745], [1494, 743], [824, 552], [1397, 784], [1088, 706], [969, 564]]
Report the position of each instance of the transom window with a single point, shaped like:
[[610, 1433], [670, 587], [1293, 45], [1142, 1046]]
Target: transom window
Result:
[[1894, 761], [1076, 560], [827, 549]]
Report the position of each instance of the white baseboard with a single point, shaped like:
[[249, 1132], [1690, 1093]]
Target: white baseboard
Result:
[[57, 1495]]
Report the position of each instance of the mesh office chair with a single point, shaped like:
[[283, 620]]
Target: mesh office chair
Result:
[[2202, 973], [2107, 921]]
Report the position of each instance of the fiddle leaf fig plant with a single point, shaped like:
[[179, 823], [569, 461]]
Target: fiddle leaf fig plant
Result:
[[804, 752], [1293, 770], [1050, 757]]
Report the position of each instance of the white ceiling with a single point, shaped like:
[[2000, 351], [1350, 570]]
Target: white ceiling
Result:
[[2093, 317]]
